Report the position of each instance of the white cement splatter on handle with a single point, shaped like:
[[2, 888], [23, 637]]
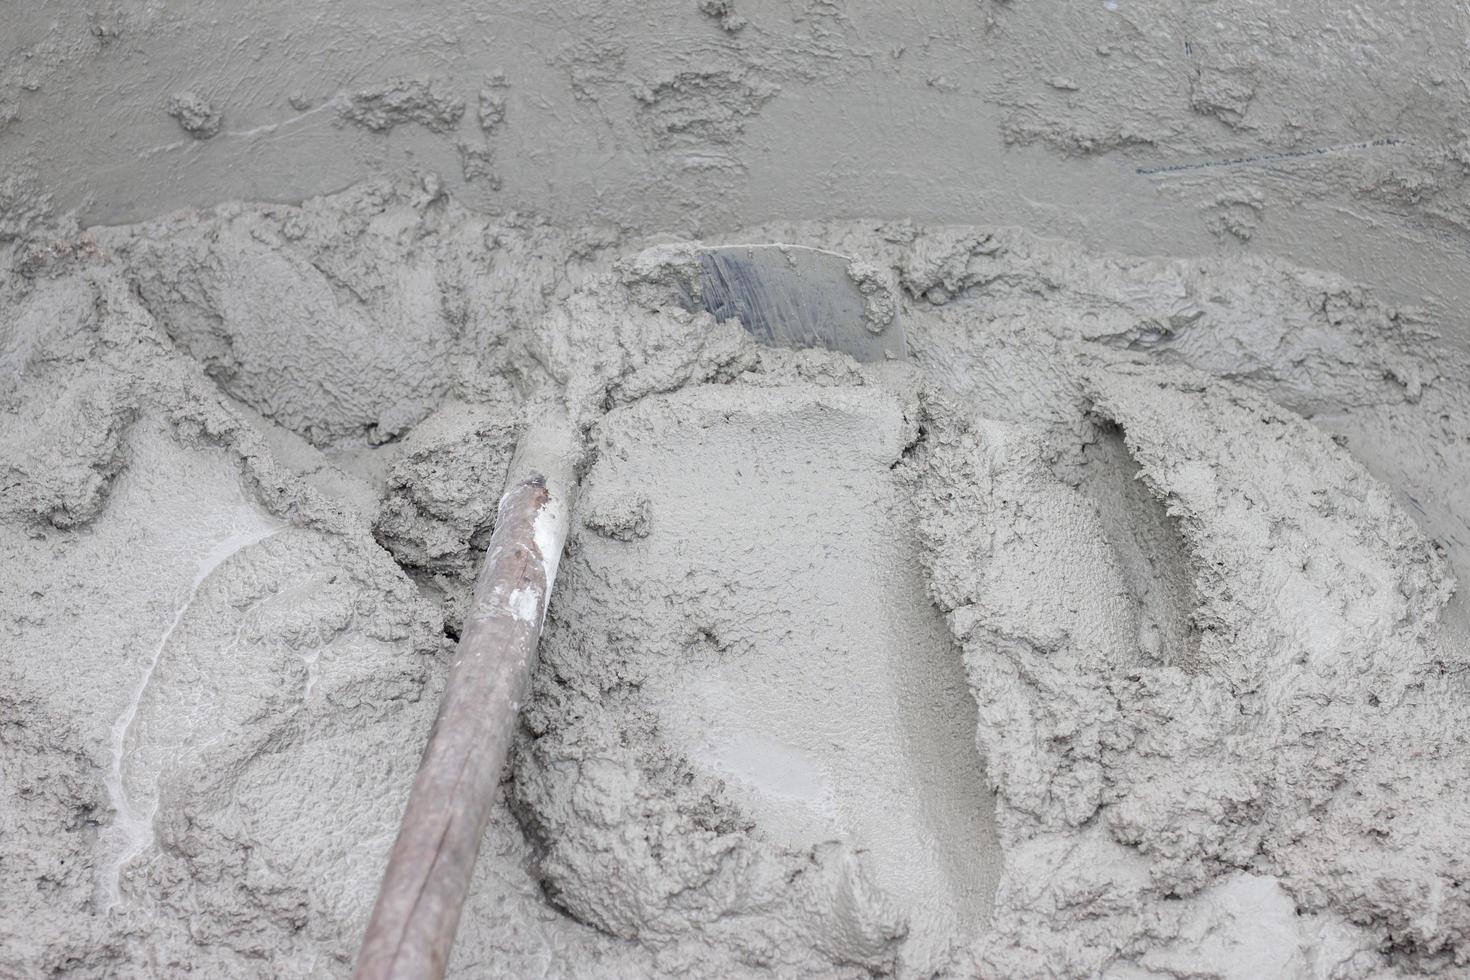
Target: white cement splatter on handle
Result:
[[529, 603], [550, 532], [134, 827], [525, 604]]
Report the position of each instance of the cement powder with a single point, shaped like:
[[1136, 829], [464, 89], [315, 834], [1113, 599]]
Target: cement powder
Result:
[[1115, 634]]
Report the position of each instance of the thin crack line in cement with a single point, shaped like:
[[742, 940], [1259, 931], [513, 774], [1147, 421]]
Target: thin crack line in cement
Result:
[[1270, 157]]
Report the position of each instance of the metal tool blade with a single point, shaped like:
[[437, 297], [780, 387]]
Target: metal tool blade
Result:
[[795, 296]]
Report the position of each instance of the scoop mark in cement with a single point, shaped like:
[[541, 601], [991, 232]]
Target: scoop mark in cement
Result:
[[136, 827]]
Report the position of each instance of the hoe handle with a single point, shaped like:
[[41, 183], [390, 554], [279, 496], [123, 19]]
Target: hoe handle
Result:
[[412, 927]]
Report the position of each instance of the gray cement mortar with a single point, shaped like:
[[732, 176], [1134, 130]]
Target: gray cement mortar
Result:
[[1116, 633], [1330, 134]]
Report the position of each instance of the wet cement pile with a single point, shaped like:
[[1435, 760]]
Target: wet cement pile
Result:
[[1115, 632]]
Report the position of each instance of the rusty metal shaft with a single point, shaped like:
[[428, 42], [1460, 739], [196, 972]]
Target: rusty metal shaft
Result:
[[429, 869]]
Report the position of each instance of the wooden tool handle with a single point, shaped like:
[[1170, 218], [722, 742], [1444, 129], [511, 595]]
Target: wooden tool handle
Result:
[[412, 927]]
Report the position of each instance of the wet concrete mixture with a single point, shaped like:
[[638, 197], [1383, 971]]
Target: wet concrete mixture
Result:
[[1114, 632]]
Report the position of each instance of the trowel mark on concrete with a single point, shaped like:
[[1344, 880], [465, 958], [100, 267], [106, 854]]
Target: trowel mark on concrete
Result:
[[250, 527], [337, 101], [1261, 158]]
